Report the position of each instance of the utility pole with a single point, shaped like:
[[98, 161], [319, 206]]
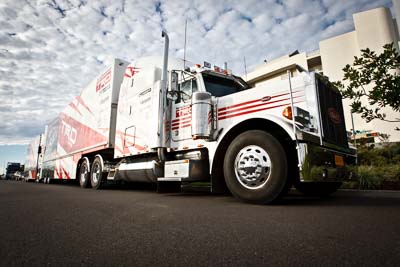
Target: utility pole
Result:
[[354, 135], [396, 8]]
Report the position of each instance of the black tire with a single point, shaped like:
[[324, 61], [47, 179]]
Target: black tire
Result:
[[84, 175], [318, 189], [271, 182], [97, 176]]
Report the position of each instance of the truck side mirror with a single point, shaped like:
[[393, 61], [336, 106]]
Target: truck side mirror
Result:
[[174, 81], [172, 95]]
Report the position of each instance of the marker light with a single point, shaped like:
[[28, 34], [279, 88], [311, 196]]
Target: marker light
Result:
[[287, 113]]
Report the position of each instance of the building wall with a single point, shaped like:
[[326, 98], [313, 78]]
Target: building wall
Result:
[[345, 47], [270, 68], [375, 28]]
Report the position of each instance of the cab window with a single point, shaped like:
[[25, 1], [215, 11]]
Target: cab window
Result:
[[219, 86], [187, 88]]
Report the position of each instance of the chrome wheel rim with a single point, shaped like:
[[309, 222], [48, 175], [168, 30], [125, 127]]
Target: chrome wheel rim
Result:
[[96, 173], [84, 173], [252, 167]]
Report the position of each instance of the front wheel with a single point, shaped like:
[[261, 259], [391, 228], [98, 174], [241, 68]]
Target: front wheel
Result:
[[97, 175], [255, 167]]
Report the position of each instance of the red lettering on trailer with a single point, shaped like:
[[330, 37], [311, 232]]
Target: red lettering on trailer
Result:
[[75, 135], [103, 80]]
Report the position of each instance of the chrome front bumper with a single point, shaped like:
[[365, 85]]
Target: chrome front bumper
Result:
[[319, 164]]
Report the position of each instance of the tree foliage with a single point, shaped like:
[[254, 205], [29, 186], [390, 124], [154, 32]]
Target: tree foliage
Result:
[[376, 78]]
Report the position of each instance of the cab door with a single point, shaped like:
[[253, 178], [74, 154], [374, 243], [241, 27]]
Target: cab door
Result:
[[181, 117]]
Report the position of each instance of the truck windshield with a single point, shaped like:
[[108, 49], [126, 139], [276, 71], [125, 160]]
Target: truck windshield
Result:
[[219, 86]]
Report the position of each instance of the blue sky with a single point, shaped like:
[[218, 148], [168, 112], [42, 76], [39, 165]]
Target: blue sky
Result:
[[11, 153], [50, 49]]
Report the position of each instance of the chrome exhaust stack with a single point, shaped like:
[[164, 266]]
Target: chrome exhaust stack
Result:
[[163, 99]]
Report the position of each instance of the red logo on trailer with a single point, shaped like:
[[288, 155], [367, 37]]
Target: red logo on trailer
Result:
[[131, 71], [73, 135], [103, 81]]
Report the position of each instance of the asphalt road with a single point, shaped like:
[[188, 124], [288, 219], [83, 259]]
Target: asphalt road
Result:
[[66, 225]]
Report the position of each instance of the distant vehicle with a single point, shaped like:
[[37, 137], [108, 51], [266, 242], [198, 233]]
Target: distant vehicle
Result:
[[155, 120], [18, 175], [12, 167]]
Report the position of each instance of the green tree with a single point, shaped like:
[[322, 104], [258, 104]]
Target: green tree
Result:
[[380, 72]]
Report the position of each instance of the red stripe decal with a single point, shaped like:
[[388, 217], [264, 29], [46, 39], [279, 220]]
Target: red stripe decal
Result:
[[182, 122], [254, 106], [74, 107], [58, 173], [255, 100], [66, 173], [182, 126], [254, 110], [80, 101], [182, 118]]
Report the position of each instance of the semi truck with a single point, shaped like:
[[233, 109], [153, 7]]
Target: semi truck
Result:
[[11, 169], [34, 159], [157, 120]]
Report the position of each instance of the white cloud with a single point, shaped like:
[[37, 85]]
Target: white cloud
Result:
[[50, 49]]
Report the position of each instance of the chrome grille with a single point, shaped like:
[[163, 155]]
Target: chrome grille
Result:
[[332, 116]]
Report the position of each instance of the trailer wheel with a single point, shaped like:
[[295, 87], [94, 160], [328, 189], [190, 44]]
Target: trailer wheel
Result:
[[318, 189], [97, 175], [84, 174], [255, 167]]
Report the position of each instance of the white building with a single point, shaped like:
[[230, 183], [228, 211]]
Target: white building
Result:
[[373, 29]]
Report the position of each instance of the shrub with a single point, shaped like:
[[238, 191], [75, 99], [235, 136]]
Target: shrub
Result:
[[377, 166], [368, 177], [390, 172]]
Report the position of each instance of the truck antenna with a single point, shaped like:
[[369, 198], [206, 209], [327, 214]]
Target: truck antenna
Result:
[[184, 47], [245, 68]]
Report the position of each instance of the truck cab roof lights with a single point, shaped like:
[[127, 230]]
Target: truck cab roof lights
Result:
[[196, 68]]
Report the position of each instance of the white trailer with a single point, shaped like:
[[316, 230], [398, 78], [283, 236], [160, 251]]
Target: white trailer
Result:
[[154, 120], [85, 126]]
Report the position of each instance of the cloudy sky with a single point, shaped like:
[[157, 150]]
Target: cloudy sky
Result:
[[50, 49]]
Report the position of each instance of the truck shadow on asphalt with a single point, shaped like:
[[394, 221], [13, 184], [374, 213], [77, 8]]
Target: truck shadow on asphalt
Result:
[[339, 200], [369, 199], [294, 198]]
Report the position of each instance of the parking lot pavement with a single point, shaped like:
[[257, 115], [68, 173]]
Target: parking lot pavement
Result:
[[66, 225]]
